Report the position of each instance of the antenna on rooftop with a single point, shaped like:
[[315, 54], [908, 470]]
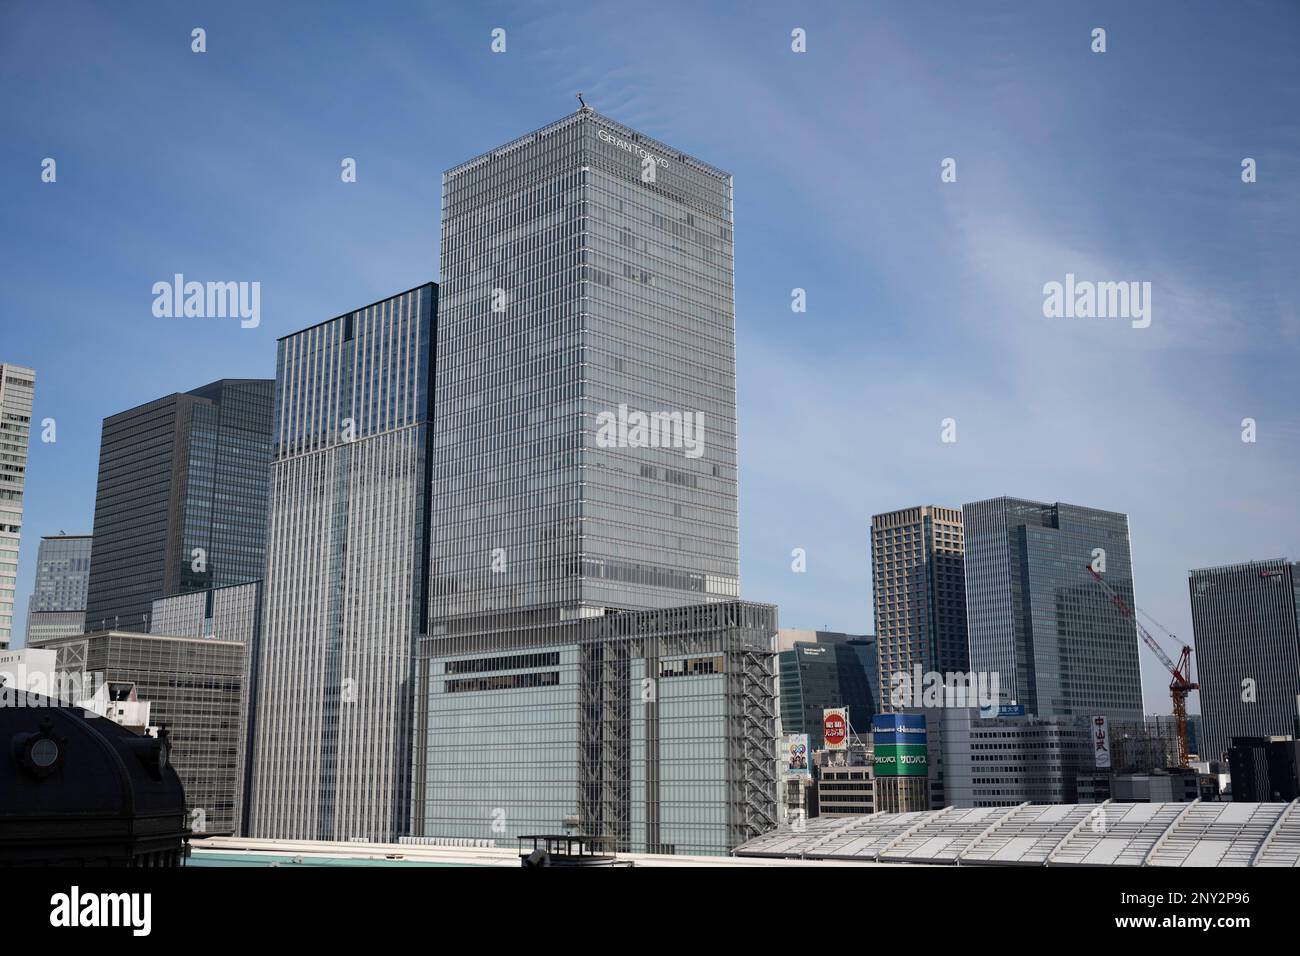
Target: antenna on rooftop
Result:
[[585, 107]]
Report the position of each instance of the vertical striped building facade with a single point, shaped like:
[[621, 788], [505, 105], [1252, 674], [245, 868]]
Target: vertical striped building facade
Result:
[[16, 388], [1035, 616], [1247, 623], [346, 574], [587, 657], [918, 591]]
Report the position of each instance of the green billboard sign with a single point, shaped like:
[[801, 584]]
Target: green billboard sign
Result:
[[901, 760]]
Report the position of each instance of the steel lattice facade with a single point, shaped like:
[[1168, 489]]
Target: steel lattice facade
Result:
[[652, 728]]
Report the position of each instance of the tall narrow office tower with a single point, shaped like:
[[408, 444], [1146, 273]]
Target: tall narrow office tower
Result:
[[586, 380], [346, 574], [1247, 628], [918, 591], [16, 386], [584, 571], [1038, 619], [181, 500]]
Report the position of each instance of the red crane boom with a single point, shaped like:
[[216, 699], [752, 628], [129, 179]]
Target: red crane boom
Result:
[[1181, 682]]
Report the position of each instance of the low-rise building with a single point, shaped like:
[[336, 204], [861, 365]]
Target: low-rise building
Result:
[[193, 687]]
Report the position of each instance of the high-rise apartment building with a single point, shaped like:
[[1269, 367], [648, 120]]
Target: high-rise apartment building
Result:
[[16, 387], [1036, 617], [918, 591], [584, 630], [1246, 619], [57, 607], [346, 574], [181, 500]]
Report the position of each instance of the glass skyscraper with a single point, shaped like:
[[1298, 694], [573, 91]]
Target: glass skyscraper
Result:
[[58, 603], [1247, 623], [821, 669], [181, 500], [1037, 618], [346, 574], [586, 280], [587, 659], [16, 387]]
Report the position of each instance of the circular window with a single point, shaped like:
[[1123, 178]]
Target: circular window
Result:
[[44, 753]]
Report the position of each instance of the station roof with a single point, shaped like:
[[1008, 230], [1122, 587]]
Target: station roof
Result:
[[1106, 834]]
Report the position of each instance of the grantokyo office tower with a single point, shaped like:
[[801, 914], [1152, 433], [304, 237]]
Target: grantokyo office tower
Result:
[[587, 657]]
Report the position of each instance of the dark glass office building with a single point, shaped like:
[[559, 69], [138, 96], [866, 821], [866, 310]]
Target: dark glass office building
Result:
[[1036, 617], [831, 670], [181, 501], [1246, 619]]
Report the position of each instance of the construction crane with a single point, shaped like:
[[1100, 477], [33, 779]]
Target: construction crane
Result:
[[1181, 682]]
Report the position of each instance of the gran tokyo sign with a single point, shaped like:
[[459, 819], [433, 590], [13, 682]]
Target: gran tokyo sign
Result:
[[606, 136]]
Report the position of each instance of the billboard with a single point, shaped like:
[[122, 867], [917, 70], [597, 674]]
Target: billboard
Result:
[[1101, 742], [796, 762], [835, 728], [900, 745]]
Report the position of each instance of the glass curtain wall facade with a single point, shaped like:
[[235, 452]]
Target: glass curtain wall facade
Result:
[[1246, 619], [575, 293], [17, 384], [832, 673], [1037, 618], [58, 603], [232, 613], [181, 499], [651, 728], [585, 465], [193, 686], [918, 588], [345, 594]]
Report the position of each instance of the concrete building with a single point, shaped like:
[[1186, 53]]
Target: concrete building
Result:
[[1037, 618], [821, 669], [27, 669], [180, 503], [346, 574], [1006, 760], [585, 483], [846, 782], [193, 687], [232, 613], [1246, 619], [919, 594], [17, 384], [57, 607]]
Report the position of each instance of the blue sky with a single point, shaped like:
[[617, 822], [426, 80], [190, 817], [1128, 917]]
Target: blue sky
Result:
[[924, 298]]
